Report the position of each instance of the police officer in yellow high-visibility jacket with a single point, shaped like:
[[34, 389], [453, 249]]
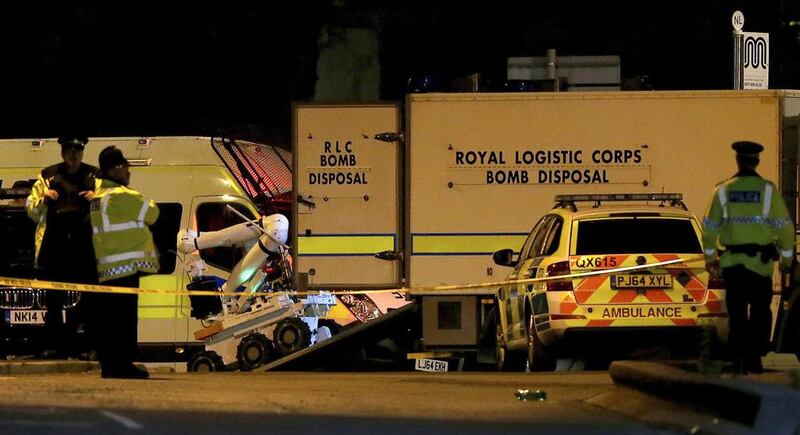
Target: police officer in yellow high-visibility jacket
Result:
[[124, 249], [59, 204], [749, 223]]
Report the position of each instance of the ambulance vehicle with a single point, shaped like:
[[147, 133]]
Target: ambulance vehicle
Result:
[[607, 304]]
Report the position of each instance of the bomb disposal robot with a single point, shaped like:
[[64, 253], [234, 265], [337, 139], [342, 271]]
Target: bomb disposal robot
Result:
[[251, 329]]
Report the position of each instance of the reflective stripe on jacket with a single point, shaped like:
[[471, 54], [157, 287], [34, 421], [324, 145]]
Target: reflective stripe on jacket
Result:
[[122, 240], [744, 210]]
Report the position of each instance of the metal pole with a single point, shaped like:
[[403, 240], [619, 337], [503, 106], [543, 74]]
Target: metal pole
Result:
[[738, 60], [551, 68]]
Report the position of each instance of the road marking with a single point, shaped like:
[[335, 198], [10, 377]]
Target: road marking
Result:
[[121, 419], [32, 423]]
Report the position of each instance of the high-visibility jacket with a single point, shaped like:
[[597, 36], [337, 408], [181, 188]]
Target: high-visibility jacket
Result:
[[36, 206], [748, 210], [123, 244]]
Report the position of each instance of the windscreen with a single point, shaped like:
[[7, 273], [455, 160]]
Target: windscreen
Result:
[[637, 235]]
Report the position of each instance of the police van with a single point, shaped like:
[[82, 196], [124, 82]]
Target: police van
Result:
[[194, 180]]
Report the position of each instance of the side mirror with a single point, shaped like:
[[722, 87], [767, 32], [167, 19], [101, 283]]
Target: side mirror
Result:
[[504, 257]]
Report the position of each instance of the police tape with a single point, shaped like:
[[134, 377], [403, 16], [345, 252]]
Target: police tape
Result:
[[29, 284], [557, 277]]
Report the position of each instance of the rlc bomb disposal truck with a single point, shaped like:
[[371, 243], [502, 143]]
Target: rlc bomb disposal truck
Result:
[[422, 194]]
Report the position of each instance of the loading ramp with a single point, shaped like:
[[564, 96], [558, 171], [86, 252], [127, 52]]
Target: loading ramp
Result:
[[379, 344]]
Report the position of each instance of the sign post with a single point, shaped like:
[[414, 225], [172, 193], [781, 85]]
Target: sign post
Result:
[[750, 56], [738, 23]]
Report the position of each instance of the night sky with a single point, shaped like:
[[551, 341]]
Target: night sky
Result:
[[165, 68]]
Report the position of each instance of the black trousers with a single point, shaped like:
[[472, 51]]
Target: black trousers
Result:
[[748, 296], [66, 255], [112, 321]]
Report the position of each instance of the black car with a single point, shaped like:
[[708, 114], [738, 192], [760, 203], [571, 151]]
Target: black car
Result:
[[22, 309]]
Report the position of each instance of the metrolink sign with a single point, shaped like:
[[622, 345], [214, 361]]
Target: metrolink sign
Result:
[[753, 54], [756, 60]]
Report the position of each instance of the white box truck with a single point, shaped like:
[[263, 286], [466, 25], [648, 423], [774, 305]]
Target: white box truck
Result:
[[421, 195]]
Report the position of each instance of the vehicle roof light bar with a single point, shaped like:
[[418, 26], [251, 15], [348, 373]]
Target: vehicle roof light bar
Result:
[[675, 199], [621, 197]]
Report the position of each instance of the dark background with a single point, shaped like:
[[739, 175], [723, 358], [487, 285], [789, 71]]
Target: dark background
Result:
[[167, 68]]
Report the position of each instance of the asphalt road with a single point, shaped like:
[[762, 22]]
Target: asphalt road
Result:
[[190, 403]]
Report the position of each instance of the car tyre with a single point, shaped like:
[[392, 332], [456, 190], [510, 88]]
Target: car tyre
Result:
[[538, 360], [505, 360]]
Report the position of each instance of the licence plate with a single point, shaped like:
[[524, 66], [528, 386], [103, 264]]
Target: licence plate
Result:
[[430, 365], [25, 317], [641, 281]]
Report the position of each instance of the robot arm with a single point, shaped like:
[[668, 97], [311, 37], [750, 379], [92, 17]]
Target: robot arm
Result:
[[249, 265], [269, 240], [274, 227], [239, 234]]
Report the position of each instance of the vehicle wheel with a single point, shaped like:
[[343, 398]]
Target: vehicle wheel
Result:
[[291, 335], [253, 351], [537, 358], [505, 359], [205, 362], [499, 348]]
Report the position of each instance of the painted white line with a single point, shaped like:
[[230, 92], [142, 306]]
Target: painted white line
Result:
[[35, 423], [121, 419]]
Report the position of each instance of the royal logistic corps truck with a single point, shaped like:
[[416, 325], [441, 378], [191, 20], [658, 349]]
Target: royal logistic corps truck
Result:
[[193, 180], [421, 194]]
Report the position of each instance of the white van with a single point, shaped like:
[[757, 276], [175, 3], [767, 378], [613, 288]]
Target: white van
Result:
[[192, 181]]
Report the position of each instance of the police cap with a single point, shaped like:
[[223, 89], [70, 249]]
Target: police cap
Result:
[[78, 142], [110, 157], [747, 149]]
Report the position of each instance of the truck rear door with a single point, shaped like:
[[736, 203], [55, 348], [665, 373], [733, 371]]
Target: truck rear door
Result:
[[347, 194]]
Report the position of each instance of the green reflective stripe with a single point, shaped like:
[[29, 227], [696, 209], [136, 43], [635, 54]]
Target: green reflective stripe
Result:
[[158, 306], [344, 245], [464, 243]]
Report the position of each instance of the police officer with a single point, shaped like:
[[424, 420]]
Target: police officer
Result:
[[747, 218], [59, 204], [124, 249]]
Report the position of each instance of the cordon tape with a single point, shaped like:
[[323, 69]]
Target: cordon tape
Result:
[[99, 288]]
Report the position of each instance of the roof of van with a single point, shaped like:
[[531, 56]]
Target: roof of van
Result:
[[154, 151]]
